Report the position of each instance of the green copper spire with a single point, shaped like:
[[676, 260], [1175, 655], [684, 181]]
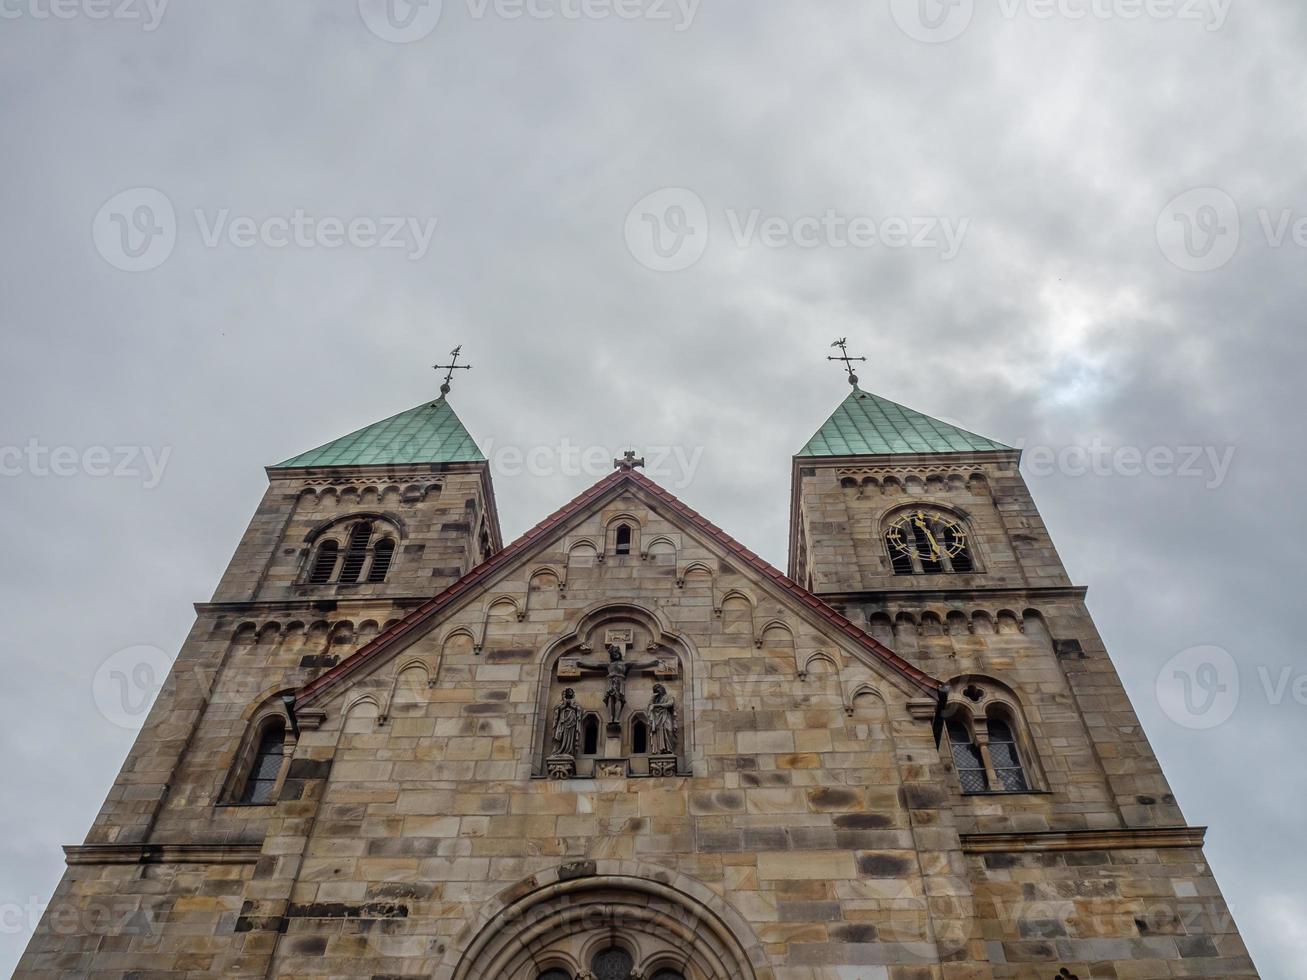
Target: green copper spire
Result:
[[430, 433], [868, 425]]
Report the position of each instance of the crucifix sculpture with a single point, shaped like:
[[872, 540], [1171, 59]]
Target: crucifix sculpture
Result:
[[617, 670]]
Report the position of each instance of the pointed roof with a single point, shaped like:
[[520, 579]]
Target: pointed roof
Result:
[[611, 484], [429, 433], [869, 425]]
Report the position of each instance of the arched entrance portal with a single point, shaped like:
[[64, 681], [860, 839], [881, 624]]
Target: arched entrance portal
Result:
[[606, 927]]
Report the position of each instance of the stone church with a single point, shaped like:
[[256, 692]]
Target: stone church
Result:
[[624, 747]]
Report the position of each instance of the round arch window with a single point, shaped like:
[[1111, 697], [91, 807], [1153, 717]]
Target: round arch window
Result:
[[613, 964]]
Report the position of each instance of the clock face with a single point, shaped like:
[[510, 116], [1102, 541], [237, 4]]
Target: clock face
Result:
[[932, 535]]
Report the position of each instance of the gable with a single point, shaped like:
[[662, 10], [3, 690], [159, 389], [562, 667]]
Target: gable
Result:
[[701, 550]]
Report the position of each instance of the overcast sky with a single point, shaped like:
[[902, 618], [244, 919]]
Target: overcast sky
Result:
[[1097, 257]]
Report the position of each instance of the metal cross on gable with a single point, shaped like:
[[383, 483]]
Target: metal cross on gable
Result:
[[843, 345], [450, 368]]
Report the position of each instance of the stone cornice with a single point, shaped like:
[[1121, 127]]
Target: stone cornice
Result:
[[162, 853], [966, 594], [1125, 839], [334, 604]]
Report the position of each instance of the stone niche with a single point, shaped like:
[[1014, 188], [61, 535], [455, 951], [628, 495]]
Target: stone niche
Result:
[[615, 739]]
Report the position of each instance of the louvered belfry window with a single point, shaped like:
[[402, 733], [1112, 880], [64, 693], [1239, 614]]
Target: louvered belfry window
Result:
[[356, 554], [324, 564], [382, 553], [367, 556]]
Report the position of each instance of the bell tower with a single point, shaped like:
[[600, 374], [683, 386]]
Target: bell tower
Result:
[[887, 498], [399, 509]]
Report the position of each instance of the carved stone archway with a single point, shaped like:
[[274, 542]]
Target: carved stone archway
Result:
[[559, 920]]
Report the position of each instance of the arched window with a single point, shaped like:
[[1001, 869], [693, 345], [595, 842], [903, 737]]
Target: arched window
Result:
[[555, 974], [928, 542], [265, 768], [324, 563], [357, 552], [613, 964], [624, 539], [367, 554], [989, 741], [639, 736], [590, 735], [668, 975], [967, 758], [1005, 756], [382, 552]]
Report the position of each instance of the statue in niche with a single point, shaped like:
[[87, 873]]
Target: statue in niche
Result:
[[617, 669], [663, 729], [567, 725]]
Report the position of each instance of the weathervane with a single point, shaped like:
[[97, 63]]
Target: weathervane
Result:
[[451, 368], [843, 345]]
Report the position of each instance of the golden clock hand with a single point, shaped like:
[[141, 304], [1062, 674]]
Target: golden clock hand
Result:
[[934, 545]]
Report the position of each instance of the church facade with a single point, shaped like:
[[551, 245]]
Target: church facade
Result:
[[623, 747]]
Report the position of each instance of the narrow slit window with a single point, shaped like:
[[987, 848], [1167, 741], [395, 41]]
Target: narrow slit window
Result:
[[624, 539], [383, 552], [1007, 760], [266, 767], [639, 737], [967, 758], [590, 736]]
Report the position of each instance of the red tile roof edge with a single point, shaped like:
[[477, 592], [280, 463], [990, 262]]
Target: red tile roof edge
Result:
[[320, 685]]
